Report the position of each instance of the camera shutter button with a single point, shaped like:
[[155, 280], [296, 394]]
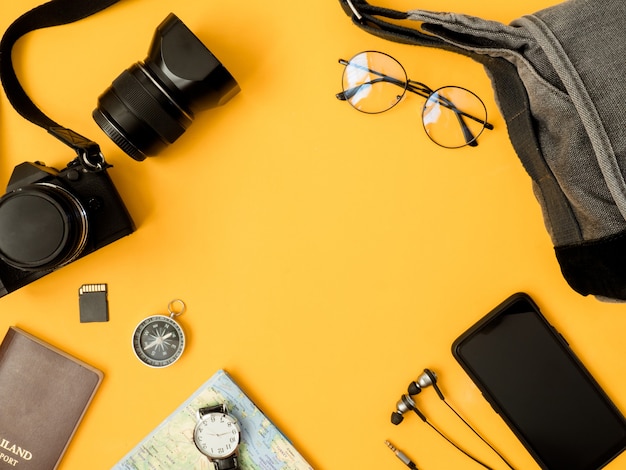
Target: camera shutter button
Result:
[[73, 175]]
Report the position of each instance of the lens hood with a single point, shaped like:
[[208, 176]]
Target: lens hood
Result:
[[153, 102]]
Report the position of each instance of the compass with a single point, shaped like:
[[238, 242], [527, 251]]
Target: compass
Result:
[[158, 340]]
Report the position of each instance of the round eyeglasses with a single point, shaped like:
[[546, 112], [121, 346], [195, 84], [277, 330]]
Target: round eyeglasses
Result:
[[374, 82]]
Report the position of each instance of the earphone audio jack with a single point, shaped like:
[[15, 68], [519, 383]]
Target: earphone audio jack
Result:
[[407, 461]]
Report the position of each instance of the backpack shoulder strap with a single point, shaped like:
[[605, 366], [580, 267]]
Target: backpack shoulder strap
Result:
[[374, 20]]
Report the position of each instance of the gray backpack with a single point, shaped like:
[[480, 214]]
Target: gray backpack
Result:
[[559, 77]]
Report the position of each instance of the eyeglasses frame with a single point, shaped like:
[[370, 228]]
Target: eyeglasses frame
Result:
[[418, 88]]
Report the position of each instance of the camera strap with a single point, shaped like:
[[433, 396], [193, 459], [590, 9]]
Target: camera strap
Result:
[[52, 13]]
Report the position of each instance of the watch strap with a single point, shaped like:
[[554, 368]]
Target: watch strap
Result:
[[229, 463], [221, 408]]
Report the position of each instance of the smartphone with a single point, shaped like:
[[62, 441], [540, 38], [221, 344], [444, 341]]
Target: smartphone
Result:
[[533, 380]]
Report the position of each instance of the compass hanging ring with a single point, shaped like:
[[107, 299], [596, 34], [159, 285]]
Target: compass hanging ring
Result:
[[175, 312]]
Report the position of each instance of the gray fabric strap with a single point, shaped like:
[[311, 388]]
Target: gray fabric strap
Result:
[[492, 44], [498, 47], [584, 105]]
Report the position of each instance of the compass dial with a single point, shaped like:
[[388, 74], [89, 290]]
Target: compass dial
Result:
[[158, 341]]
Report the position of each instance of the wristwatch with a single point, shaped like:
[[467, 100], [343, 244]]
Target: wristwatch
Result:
[[217, 435]]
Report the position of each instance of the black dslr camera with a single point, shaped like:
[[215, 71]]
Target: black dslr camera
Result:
[[49, 218]]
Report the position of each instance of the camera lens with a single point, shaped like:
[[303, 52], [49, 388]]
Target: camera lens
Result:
[[42, 226], [152, 103]]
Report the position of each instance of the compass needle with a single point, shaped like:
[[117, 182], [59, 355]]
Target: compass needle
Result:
[[160, 334]]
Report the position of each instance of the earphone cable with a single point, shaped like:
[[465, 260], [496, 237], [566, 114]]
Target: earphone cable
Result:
[[457, 446], [479, 436]]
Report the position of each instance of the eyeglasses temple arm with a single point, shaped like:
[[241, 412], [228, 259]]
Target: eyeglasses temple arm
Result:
[[470, 138], [420, 89], [350, 92], [450, 105], [414, 87]]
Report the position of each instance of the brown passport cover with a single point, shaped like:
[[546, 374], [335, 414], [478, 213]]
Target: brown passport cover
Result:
[[44, 393]]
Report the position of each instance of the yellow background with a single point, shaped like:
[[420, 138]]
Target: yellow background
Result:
[[326, 256]]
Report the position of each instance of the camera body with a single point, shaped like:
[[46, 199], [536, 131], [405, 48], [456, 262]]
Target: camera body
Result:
[[49, 218]]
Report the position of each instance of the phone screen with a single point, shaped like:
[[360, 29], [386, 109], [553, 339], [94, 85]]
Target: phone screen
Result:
[[528, 373]]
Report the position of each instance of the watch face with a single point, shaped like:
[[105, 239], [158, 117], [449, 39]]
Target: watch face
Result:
[[217, 435], [158, 341]]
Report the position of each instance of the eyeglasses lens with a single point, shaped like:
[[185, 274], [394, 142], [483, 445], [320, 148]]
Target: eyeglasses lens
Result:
[[454, 117], [374, 82]]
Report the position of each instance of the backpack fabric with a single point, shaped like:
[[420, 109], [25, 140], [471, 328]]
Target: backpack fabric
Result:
[[559, 81]]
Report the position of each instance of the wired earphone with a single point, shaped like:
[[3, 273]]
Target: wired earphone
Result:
[[407, 403]]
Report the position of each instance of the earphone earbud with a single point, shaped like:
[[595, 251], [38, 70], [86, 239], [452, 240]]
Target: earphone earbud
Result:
[[426, 379], [406, 403]]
